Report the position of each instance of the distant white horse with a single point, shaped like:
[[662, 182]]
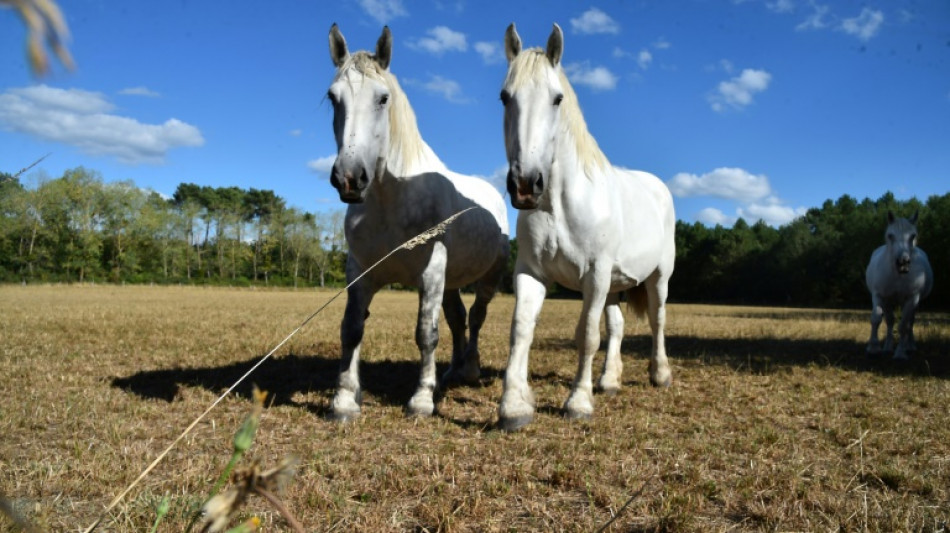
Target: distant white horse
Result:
[[396, 187], [898, 275], [584, 223]]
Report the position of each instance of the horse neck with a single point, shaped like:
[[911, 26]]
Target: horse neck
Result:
[[574, 168]]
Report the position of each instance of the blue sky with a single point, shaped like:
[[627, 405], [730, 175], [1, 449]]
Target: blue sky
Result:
[[753, 108]]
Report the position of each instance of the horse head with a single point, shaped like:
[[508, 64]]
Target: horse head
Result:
[[901, 239], [361, 98], [532, 94]]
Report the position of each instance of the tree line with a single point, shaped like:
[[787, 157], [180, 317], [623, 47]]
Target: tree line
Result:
[[77, 228], [818, 259]]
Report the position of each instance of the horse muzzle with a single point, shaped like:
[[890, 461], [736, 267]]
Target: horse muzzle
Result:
[[903, 264], [351, 187], [525, 190]]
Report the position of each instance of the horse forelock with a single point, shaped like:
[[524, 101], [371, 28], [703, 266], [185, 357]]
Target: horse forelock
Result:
[[531, 66], [901, 226], [407, 149]]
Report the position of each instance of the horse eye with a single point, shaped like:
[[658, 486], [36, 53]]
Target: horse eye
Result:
[[383, 99], [505, 98], [558, 98]]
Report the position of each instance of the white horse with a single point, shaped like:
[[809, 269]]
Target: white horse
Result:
[[898, 275], [583, 223], [396, 187]]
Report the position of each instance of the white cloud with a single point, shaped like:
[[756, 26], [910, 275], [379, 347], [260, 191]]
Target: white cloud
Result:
[[383, 11], [594, 21], [139, 91], [296, 132], [498, 178], [451, 90], [772, 212], [739, 91], [781, 6], [816, 20], [322, 164], [82, 119], [661, 44], [864, 26], [441, 39], [644, 58], [490, 51], [711, 216], [597, 78], [725, 182]]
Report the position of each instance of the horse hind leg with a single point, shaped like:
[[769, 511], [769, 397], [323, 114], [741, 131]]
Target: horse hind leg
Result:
[[609, 381], [455, 315], [485, 291], [660, 373]]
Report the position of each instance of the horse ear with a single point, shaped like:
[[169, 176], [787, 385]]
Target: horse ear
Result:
[[890, 216], [384, 48], [913, 219], [512, 42], [338, 52], [555, 45]]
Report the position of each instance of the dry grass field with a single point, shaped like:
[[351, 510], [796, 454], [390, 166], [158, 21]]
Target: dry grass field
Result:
[[776, 420]]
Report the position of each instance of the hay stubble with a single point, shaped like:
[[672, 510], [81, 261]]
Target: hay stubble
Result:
[[775, 421]]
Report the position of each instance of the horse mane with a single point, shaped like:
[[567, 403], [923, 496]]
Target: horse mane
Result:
[[408, 154], [531, 64]]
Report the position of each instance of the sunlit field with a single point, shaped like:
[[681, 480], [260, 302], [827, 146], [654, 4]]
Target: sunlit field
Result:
[[776, 420]]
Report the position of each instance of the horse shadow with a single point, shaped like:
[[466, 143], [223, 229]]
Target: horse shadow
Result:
[[286, 378], [289, 377], [770, 355]]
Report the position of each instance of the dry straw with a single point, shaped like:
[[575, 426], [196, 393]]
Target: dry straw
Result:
[[418, 240]]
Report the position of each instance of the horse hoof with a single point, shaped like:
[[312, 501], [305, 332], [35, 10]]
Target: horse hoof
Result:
[[665, 384], [514, 423], [420, 407], [454, 378], [578, 415], [609, 391], [343, 417]]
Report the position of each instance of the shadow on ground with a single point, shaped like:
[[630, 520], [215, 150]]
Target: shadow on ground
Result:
[[393, 382]]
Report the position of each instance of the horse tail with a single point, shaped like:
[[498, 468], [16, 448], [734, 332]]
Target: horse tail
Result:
[[637, 301]]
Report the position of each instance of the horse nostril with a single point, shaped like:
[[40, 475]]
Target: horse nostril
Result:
[[539, 184]]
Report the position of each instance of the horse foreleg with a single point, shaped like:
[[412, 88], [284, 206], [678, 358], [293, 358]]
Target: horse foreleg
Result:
[[346, 402], [889, 324], [431, 288], [517, 401], [660, 373], [454, 311], [877, 314], [906, 344], [613, 366], [580, 403]]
